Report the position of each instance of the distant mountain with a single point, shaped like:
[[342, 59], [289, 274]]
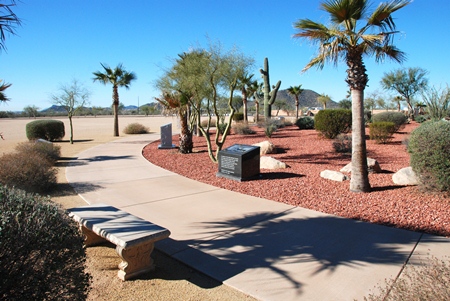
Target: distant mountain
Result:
[[130, 108], [54, 108], [308, 98]]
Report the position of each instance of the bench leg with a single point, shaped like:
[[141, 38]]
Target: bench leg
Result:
[[91, 238], [135, 260]]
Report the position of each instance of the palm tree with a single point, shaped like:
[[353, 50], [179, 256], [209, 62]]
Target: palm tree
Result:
[[347, 39], [178, 103], [323, 99], [244, 82], [118, 77], [8, 20], [3, 87], [255, 89], [295, 91]]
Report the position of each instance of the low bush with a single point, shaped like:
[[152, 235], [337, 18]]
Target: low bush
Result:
[[305, 123], [429, 281], [51, 130], [47, 150], [42, 254], [222, 127], [429, 148], [331, 123], [421, 118], [238, 116], [29, 171], [382, 131], [242, 129], [398, 118], [136, 128], [343, 143]]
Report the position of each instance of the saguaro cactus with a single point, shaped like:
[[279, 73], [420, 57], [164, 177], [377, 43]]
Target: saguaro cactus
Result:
[[269, 95]]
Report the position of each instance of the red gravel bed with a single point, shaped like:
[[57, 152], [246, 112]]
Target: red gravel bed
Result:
[[306, 155]]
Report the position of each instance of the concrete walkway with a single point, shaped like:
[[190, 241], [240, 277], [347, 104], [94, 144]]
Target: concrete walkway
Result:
[[268, 250]]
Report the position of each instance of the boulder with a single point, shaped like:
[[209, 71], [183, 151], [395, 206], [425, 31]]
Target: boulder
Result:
[[333, 175], [372, 164], [405, 176], [270, 163], [265, 147]]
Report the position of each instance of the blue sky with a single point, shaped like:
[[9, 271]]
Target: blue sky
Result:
[[61, 40]]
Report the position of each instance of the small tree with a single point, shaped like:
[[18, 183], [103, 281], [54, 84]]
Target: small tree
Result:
[[31, 111], [295, 91], [323, 99], [72, 97], [406, 82]]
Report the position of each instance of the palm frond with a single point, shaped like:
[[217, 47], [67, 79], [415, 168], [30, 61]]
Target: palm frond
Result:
[[345, 11], [382, 15], [311, 30]]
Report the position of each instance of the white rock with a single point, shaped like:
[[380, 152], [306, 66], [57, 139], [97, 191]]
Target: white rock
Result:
[[265, 147], [333, 175], [405, 176], [270, 163], [372, 164]]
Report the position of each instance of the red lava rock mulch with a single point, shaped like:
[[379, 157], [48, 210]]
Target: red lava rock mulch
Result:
[[306, 155]]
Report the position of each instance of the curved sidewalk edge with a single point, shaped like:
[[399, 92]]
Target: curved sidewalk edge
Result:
[[266, 249]]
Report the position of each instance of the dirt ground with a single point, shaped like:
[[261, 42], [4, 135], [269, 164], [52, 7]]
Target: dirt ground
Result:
[[171, 279]]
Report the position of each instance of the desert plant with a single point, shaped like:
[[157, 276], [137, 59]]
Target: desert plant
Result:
[[222, 128], [422, 118], [238, 116], [437, 103], [269, 128], [331, 123], [398, 118], [50, 130], [47, 150], [136, 128], [305, 123], [428, 281], [382, 131], [29, 171], [42, 254], [343, 143], [243, 129], [429, 148]]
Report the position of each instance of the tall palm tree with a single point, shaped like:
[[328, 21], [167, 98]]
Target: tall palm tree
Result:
[[244, 83], [295, 91], [353, 34], [118, 77]]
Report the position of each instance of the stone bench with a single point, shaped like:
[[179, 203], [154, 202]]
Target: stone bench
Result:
[[134, 237]]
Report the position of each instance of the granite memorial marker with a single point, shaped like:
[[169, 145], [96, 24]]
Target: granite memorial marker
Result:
[[239, 162], [166, 136]]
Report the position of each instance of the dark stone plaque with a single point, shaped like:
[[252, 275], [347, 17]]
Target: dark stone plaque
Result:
[[166, 136], [239, 162]]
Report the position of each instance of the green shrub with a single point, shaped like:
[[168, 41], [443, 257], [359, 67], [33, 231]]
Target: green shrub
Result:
[[343, 143], [136, 128], [242, 129], [398, 118], [429, 148], [333, 122], [382, 131], [421, 118], [269, 128], [50, 130], [305, 123], [222, 127], [238, 116], [44, 149], [428, 281], [42, 254], [29, 171]]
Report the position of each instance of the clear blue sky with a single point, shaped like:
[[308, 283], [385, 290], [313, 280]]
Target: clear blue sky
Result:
[[61, 40]]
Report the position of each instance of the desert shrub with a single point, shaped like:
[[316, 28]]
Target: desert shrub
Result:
[[398, 118], [50, 130], [136, 128], [222, 127], [238, 116], [421, 118], [305, 123], [243, 129], [42, 254], [343, 143], [331, 123], [428, 281], [29, 171], [46, 150], [437, 102], [270, 126], [429, 148], [382, 131]]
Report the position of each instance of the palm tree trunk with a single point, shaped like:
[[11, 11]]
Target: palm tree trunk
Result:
[[360, 178], [296, 106], [116, 110], [186, 143]]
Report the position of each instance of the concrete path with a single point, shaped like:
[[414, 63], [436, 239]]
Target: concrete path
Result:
[[269, 250]]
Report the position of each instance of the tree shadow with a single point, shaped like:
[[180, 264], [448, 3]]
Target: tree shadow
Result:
[[282, 243]]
